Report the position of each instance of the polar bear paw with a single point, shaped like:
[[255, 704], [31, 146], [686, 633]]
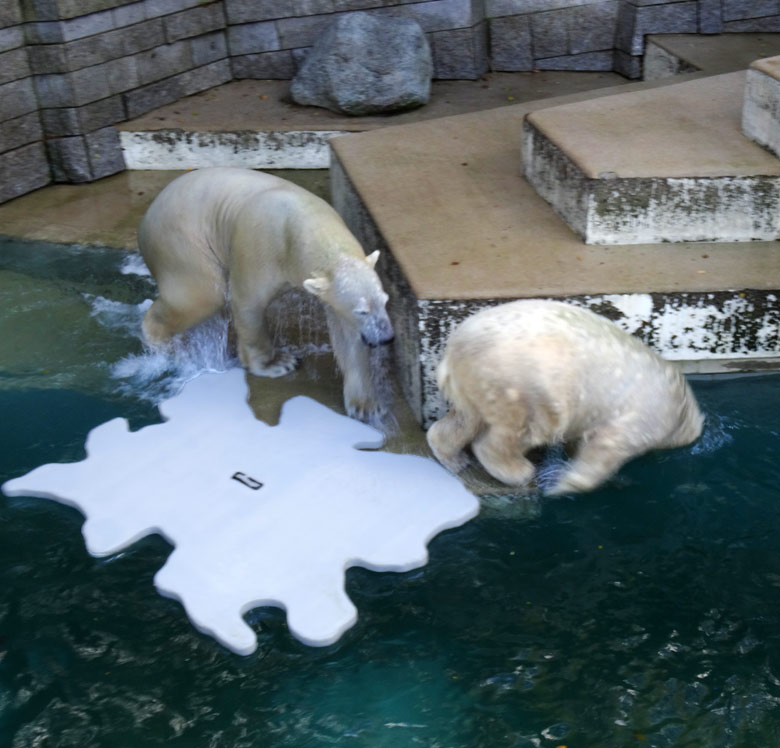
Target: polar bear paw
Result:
[[281, 364]]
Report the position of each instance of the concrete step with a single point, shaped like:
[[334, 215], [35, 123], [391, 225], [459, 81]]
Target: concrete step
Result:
[[460, 229], [761, 109], [669, 164]]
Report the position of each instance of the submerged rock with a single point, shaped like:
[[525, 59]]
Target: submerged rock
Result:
[[366, 65]]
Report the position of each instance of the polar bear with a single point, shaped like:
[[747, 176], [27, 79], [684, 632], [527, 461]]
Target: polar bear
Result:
[[235, 237], [532, 373]]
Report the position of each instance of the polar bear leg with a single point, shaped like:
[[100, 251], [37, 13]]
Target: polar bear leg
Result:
[[598, 457], [255, 345], [352, 356], [501, 451], [449, 436], [163, 319]]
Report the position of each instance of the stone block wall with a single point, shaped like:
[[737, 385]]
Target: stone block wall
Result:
[[269, 39], [71, 69], [122, 59], [23, 163]]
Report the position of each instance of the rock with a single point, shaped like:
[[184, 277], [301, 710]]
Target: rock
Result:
[[366, 65]]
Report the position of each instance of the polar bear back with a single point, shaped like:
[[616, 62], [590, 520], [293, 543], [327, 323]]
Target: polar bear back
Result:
[[202, 215], [564, 371]]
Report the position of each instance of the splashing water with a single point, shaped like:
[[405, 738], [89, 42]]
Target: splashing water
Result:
[[134, 264]]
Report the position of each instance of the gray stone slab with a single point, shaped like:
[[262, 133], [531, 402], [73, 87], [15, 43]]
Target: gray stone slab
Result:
[[205, 77], [128, 15], [70, 121], [104, 153], [23, 130], [14, 65], [68, 159], [122, 74], [11, 37], [460, 54], [550, 33], [84, 158], [510, 43], [497, 8], [47, 58], [157, 8], [193, 22], [443, 15], [592, 61], [710, 18], [766, 24], [163, 62], [249, 11], [18, 98], [737, 10], [53, 10], [301, 32], [10, 13], [628, 65], [23, 170], [144, 99], [592, 27], [253, 38], [270, 65], [208, 48]]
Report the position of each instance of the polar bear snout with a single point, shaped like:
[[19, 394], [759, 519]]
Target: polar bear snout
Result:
[[377, 331]]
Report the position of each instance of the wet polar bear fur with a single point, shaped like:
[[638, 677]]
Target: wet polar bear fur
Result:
[[237, 237], [532, 373]]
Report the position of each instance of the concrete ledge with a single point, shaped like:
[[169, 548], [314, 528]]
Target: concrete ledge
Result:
[[185, 149], [665, 165], [761, 110]]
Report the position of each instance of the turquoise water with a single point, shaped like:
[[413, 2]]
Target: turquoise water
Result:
[[644, 614]]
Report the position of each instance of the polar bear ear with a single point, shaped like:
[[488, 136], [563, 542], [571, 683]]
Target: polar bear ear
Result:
[[317, 286], [372, 258]]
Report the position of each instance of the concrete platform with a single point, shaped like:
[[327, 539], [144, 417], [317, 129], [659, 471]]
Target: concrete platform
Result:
[[462, 229], [668, 164], [253, 123]]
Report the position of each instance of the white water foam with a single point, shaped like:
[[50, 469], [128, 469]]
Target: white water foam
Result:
[[715, 434], [156, 374], [134, 264]]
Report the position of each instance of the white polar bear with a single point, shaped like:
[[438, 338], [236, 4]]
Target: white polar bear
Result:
[[532, 373], [223, 236]]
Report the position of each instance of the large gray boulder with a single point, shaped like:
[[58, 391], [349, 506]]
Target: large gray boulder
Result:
[[366, 65]]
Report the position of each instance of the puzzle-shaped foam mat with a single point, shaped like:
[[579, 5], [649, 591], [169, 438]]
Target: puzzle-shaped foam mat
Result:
[[258, 515]]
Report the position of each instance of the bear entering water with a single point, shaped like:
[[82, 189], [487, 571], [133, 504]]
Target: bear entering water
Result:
[[533, 373], [235, 237]]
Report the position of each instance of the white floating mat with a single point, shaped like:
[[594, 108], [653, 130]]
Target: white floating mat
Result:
[[258, 514]]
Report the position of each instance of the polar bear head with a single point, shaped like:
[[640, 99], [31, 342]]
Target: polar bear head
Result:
[[355, 293]]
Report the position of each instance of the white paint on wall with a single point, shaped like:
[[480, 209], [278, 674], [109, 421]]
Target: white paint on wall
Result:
[[719, 209], [705, 333]]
